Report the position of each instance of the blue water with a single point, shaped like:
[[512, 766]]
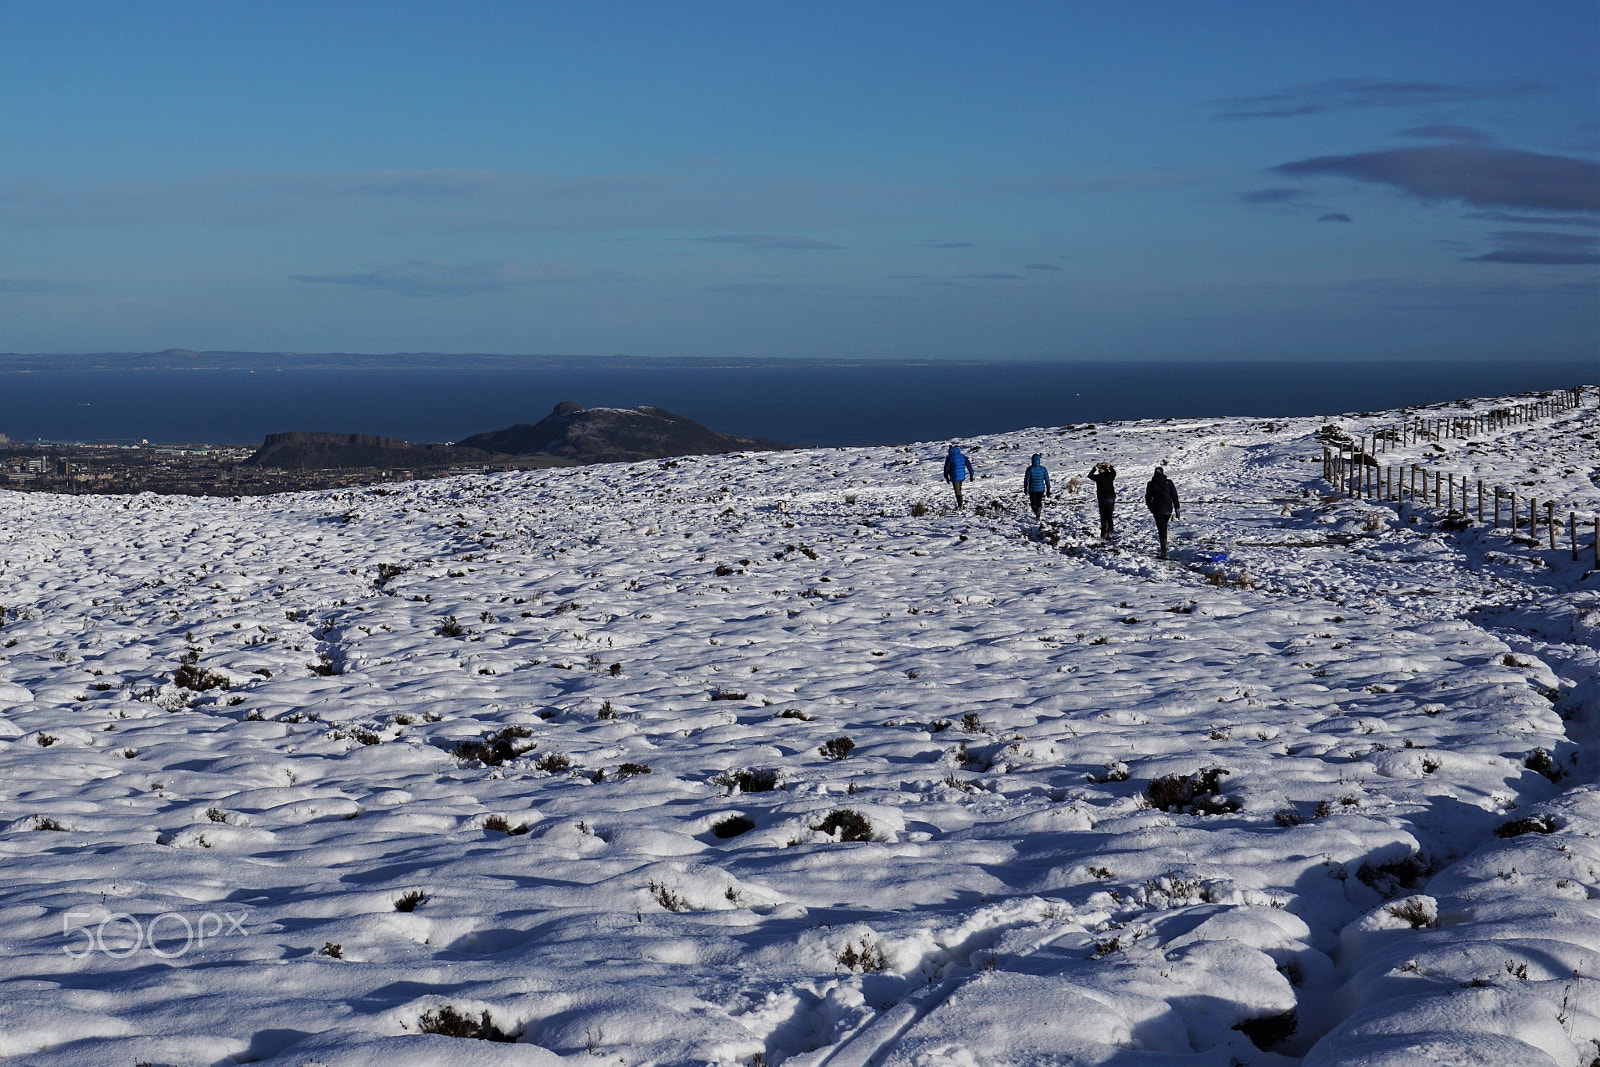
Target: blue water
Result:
[[803, 404]]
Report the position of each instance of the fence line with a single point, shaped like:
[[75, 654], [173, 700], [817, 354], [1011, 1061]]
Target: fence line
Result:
[[1356, 471]]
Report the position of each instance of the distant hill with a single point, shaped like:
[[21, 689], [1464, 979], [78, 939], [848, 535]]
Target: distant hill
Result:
[[568, 435], [298, 450], [612, 435]]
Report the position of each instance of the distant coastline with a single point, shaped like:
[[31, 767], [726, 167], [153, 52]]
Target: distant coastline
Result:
[[188, 359], [239, 398]]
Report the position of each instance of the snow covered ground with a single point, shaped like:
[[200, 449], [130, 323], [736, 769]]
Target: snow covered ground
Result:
[[779, 758]]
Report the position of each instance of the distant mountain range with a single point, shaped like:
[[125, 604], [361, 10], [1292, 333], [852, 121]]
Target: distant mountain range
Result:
[[570, 435], [189, 359]]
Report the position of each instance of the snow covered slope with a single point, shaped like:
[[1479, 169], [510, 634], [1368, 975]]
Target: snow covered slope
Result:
[[778, 758]]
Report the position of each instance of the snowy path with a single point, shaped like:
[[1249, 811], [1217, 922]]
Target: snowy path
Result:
[[592, 716]]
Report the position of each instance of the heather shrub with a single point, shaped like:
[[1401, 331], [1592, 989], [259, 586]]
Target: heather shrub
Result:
[[848, 823], [1198, 792], [838, 748]]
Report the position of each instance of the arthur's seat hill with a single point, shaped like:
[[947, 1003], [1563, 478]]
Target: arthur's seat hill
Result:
[[570, 435]]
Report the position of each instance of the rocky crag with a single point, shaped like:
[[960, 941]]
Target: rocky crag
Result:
[[612, 435], [299, 450]]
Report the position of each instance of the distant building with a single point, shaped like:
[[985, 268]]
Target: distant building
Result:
[[4, 440]]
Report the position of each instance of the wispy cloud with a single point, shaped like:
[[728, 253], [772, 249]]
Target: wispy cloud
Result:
[[767, 240], [36, 285], [1480, 175], [1462, 134], [1360, 94], [1542, 248], [1277, 195], [433, 280], [946, 244], [996, 276], [454, 201], [758, 288], [1334, 216], [1534, 220], [763, 212], [1078, 185], [1043, 266]]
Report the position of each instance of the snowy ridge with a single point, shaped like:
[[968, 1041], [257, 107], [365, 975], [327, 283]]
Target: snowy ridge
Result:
[[556, 756]]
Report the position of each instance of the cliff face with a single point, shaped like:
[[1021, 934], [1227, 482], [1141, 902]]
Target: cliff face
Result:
[[611, 435], [298, 450]]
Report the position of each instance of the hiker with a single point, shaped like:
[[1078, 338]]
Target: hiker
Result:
[[957, 469], [1036, 483], [1161, 497], [1104, 477]]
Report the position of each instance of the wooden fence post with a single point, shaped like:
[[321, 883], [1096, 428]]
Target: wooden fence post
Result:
[[1572, 533], [1480, 501], [1533, 518], [1497, 507], [1550, 523]]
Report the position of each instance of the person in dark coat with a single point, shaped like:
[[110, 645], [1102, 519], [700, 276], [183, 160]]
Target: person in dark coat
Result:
[[1104, 477], [1161, 497], [957, 470], [1036, 483]]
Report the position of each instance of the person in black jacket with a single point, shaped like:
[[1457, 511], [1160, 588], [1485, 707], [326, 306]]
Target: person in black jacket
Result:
[[1161, 497], [1104, 476]]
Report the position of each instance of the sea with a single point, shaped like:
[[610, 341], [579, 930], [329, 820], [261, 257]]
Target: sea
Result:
[[812, 403]]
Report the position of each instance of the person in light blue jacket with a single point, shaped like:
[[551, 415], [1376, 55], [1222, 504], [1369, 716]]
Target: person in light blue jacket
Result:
[[957, 470], [1036, 483]]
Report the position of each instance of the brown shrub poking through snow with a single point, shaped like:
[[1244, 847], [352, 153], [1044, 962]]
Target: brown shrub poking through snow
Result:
[[409, 901], [1199, 792], [1528, 824], [190, 676], [448, 1022], [1270, 1031], [553, 762], [1541, 761], [848, 823], [496, 748], [754, 780], [838, 748], [869, 958], [733, 826], [668, 899], [1414, 910]]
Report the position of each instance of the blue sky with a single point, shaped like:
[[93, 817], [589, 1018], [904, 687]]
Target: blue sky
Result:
[[892, 180]]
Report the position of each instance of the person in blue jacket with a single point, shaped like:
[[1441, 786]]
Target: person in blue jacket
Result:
[[1036, 483], [957, 469]]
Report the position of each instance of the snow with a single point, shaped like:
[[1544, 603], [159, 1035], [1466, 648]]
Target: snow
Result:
[[647, 856]]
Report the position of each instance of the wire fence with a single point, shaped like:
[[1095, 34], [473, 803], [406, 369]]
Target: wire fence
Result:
[[1353, 467]]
